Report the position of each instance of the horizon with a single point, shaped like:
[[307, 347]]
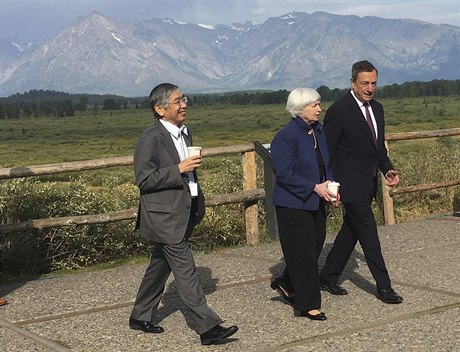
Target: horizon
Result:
[[214, 93]]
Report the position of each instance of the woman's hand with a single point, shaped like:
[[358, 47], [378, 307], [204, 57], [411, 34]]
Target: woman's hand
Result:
[[336, 202], [322, 191]]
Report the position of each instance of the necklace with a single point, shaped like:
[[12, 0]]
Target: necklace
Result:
[[314, 138]]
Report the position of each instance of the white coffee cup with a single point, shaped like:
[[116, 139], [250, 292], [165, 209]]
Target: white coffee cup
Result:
[[333, 187], [192, 151]]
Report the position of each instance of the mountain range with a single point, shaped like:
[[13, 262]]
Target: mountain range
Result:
[[98, 55]]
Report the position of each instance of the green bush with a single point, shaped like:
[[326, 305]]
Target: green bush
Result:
[[224, 225], [41, 251], [424, 163], [69, 247]]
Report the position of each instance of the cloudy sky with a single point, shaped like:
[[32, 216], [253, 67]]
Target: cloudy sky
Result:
[[40, 20]]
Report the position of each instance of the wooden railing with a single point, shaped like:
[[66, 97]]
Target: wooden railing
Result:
[[388, 192], [249, 196]]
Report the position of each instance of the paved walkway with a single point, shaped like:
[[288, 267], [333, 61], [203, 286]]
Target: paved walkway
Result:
[[89, 312]]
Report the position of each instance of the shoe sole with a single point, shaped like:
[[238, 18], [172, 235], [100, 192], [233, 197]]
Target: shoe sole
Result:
[[212, 341], [291, 301], [135, 327], [321, 317], [280, 291], [390, 302], [325, 288]]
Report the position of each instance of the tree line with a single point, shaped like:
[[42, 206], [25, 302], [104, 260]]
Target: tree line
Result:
[[42, 103]]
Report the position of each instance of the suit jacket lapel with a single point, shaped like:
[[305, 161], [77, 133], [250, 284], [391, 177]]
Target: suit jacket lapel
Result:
[[187, 139], [168, 143]]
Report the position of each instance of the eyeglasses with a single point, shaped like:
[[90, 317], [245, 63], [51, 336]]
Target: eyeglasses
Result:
[[179, 100]]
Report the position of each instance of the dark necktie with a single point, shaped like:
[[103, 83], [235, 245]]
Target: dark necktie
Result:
[[185, 138], [185, 142], [371, 127], [369, 122]]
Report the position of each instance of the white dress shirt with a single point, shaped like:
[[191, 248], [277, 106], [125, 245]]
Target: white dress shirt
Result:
[[363, 110], [179, 142]]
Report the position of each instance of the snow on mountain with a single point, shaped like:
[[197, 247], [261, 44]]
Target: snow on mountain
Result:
[[98, 55]]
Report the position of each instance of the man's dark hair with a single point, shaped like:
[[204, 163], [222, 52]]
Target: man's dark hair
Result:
[[159, 96], [361, 66]]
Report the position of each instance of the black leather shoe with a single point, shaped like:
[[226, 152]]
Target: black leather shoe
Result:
[[217, 333], [280, 286], [321, 316], [388, 295], [145, 326], [332, 288]]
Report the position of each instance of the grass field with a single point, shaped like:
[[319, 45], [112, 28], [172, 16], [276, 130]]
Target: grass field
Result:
[[32, 141]]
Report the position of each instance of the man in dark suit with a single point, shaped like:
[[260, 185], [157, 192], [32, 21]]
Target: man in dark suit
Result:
[[355, 133], [171, 204]]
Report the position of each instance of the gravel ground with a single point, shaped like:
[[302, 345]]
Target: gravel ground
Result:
[[89, 312]]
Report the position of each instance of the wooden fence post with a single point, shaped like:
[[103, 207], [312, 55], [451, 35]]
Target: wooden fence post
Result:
[[388, 210], [250, 207]]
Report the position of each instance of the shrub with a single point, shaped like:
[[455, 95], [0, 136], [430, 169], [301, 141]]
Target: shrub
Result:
[[222, 226], [427, 162], [70, 247], [45, 250]]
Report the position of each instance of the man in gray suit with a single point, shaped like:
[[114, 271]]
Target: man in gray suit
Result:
[[171, 204]]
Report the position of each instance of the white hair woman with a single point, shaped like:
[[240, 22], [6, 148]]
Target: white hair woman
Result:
[[300, 159], [299, 98]]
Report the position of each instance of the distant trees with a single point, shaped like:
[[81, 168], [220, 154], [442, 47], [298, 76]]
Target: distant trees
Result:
[[38, 103], [110, 104], [82, 105], [440, 88], [119, 104], [9, 111], [65, 108], [239, 98], [330, 95]]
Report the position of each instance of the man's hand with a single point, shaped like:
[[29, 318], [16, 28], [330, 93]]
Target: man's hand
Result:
[[190, 164], [392, 178]]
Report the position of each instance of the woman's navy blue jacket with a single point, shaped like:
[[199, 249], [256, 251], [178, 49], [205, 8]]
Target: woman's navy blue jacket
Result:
[[295, 165]]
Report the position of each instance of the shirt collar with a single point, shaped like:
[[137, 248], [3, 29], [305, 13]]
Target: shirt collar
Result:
[[173, 129], [359, 102]]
